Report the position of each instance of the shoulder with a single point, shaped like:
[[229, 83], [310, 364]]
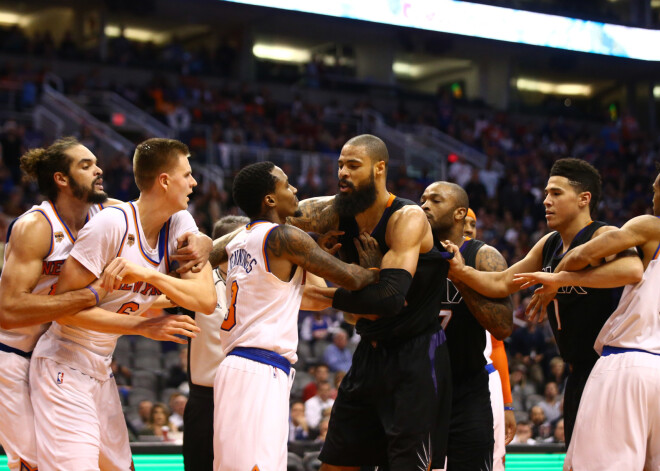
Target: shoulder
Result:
[[603, 229], [490, 259], [408, 213], [286, 238], [32, 231]]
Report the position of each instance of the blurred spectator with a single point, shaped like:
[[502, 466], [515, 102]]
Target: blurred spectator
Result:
[[339, 376], [178, 373], [558, 373], [524, 433], [177, 406], [558, 434], [315, 327], [321, 375], [337, 355], [315, 406], [323, 429], [541, 428], [122, 375], [520, 389], [143, 416], [159, 422], [551, 403], [11, 148], [528, 346], [298, 428]]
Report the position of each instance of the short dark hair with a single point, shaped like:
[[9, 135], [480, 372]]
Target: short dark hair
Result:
[[376, 148], [153, 157], [41, 164], [582, 176], [251, 186], [227, 224]]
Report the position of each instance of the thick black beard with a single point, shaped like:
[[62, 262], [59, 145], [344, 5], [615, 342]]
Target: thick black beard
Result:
[[87, 194], [351, 204]]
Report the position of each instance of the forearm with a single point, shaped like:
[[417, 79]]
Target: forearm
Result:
[[32, 309], [195, 294], [108, 322], [218, 254], [385, 298], [619, 272], [491, 284], [494, 315]]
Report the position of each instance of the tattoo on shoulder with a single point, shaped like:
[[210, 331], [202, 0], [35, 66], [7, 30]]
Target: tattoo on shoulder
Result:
[[490, 259], [285, 239], [318, 215]]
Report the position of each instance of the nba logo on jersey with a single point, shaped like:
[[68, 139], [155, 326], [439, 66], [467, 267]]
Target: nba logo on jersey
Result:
[[60, 377]]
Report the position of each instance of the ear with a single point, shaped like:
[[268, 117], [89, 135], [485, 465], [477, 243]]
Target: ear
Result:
[[163, 180], [61, 179], [269, 201], [584, 199], [460, 213], [379, 167]]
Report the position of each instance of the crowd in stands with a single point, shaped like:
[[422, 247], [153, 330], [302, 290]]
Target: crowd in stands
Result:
[[508, 204]]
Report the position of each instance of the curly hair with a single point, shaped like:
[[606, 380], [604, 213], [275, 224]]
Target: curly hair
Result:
[[41, 164], [582, 176], [251, 186]]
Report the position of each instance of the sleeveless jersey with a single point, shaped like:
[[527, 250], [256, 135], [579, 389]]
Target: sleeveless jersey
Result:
[[582, 311], [636, 321], [263, 310], [61, 242], [115, 232], [466, 338], [205, 351], [426, 293]]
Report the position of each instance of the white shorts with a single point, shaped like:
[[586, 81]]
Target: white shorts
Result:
[[497, 404], [79, 421], [251, 416], [618, 421], [16, 416]]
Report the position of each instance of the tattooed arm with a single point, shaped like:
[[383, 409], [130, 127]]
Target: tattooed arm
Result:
[[318, 215], [494, 315], [292, 244], [218, 254]]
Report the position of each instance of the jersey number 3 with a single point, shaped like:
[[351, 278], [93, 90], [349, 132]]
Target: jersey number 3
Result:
[[230, 318]]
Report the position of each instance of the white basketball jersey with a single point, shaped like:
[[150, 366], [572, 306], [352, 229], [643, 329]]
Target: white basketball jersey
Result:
[[636, 321], [488, 351], [206, 351], [263, 310], [61, 242], [115, 232]]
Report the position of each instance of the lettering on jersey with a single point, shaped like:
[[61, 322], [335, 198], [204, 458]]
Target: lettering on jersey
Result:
[[566, 289], [142, 287], [130, 239], [52, 268], [59, 236], [453, 295], [242, 258]]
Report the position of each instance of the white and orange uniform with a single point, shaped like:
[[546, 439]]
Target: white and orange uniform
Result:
[[500, 393], [260, 337], [618, 421], [79, 419], [16, 345]]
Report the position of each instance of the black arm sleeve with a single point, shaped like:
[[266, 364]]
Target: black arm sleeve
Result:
[[385, 298]]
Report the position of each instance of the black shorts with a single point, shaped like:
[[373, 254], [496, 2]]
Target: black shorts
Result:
[[471, 437], [575, 383], [390, 404], [198, 430]]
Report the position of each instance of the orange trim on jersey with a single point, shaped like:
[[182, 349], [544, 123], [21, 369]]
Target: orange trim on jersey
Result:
[[657, 251], [264, 248], [66, 228], [252, 224], [52, 236], [501, 364], [390, 200], [27, 467], [137, 229], [123, 240]]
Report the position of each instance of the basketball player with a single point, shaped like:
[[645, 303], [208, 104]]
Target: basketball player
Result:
[[78, 417], [205, 354], [38, 243], [399, 385], [618, 423], [572, 193], [265, 282], [466, 315], [501, 401]]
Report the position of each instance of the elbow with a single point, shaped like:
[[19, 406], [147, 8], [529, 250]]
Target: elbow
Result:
[[503, 332], [636, 275], [209, 304]]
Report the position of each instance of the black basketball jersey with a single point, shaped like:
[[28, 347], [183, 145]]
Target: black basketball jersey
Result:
[[424, 298], [582, 311], [466, 338]]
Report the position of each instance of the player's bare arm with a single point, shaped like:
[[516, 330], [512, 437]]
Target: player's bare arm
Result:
[[29, 244], [495, 284], [298, 248], [318, 215], [193, 291], [194, 250], [218, 254], [494, 315]]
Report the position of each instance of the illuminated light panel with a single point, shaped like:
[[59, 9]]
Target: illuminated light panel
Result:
[[485, 21], [553, 88], [10, 18], [656, 91], [136, 34], [281, 53]]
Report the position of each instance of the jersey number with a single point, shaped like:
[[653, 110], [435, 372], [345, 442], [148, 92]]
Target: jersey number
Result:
[[230, 318], [128, 308], [445, 314]]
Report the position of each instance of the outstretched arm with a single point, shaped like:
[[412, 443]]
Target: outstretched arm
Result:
[[494, 315], [318, 215], [218, 254]]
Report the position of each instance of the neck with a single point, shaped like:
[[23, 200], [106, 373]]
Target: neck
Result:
[[568, 233], [270, 216], [153, 214], [72, 211], [454, 234], [368, 219]]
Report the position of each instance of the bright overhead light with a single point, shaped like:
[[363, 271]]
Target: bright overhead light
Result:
[[281, 53], [404, 68], [553, 88], [136, 34], [11, 18], [656, 91]]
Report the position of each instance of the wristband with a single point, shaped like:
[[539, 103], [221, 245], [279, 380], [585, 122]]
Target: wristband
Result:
[[509, 408], [96, 295]]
